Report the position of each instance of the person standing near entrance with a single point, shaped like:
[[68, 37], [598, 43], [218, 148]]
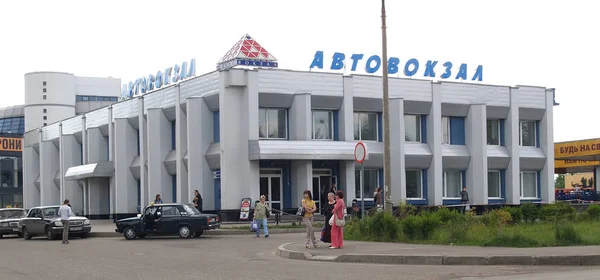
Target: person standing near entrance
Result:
[[198, 200], [65, 212], [309, 208], [260, 216]]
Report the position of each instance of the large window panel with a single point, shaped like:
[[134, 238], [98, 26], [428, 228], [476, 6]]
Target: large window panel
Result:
[[445, 130], [370, 183], [493, 132], [412, 126], [322, 125], [414, 184], [365, 126], [272, 123], [529, 185], [494, 184], [452, 183], [527, 133]]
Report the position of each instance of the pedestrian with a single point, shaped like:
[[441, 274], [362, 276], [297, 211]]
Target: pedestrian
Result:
[[197, 200], [378, 199], [328, 213], [260, 216], [464, 198], [157, 199], [356, 212], [65, 212], [309, 208], [337, 233], [16, 205]]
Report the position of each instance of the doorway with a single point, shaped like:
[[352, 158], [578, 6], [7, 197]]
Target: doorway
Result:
[[322, 181], [271, 187]]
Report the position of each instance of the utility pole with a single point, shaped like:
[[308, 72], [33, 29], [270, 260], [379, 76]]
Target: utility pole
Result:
[[387, 170]]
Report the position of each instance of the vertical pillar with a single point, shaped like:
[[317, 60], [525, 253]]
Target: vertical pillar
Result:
[[596, 177], [159, 180], [346, 115], [184, 194], [301, 117], [476, 140], [98, 188], [547, 145], [71, 156], [31, 171], [301, 180], [513, 188], [199, 136], [348, 179], [397, 135], [84, 157], [434, 140], [111, 157], [49, 191], [125, 151], [143, 136]]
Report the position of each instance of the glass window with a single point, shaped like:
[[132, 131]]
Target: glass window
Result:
[[529, 185], [272, 123], [452, 181], [85, 98], [170, 211], [78, 98], [365, 126], [494, 184], [528, 137], [44, 96], [370, 183], [445, 130], [412, 125], [493, 132], [50, 212], [322, 126], [414, 184]]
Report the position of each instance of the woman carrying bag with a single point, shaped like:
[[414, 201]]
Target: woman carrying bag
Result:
[[338, 222]]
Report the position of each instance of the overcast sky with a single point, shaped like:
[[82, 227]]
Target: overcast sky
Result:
[[552, 44]]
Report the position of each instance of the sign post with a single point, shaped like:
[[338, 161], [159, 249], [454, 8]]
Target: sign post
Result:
[[360, 154]]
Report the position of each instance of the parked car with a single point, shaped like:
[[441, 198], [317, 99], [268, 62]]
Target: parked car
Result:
[[168, 219], [9, 221], [44, 221]]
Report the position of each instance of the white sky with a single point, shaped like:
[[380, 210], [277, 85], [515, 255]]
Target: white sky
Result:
[[542, 43]]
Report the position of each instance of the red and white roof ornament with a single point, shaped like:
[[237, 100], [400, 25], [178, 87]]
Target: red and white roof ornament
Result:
[[247, 52]]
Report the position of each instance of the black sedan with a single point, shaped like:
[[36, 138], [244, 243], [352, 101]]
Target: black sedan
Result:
[[168, 219]]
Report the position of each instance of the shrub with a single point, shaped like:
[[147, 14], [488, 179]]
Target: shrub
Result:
[[457, 230], [405, 210], [515, 213], [383, 226], [565, 235], [497, 218], [429, 223], [593, 211], [410, 227], [557, 211], [448, 215], [530, 212]]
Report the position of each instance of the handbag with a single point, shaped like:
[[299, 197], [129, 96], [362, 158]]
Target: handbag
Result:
[[331, 220], [254, 226], [300, 212], [339, 222]]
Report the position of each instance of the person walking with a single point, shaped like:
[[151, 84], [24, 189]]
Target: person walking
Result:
[[309, 208], [337, 234], [379, 199], [197, 200], [260, 216], [464, 199], [65, 212]]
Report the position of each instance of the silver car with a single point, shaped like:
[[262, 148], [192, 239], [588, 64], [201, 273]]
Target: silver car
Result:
[[9, 221]]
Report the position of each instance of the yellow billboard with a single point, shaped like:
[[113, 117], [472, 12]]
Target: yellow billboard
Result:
[[564, 163], [10, 144]]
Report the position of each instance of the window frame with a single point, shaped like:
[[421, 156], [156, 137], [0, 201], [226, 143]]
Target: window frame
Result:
[[419, 133], [331, 124], [534, 185], [499, 133], [44, 97], [360, 136], [535, 136], [447, 126], [420, 175], [499, 184], [445, 183], [357, 185], [267, 109]]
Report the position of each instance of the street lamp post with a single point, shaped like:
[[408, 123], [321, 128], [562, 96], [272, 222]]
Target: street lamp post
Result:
[[387, 172]]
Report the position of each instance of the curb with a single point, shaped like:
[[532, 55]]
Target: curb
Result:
[[107, 234], [517, 260]]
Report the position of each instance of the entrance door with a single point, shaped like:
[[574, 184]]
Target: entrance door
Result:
[[322, 181], [271, 187]]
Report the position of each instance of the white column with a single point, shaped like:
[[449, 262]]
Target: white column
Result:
[[98, 188], [49, 162], [346, 114], [596, 177], [476, 141], [159, 131], [511, 132], [143, 132], [397, 134], [111, 157], [347, 180], [84, 156], [301, 180], [31, 170], [199, 136], [184, 194], [125, 152], [547, 145], [71, 156], [434, 140], [301, 117]]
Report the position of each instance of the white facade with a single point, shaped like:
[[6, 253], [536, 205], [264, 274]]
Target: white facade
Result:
[[54, 96], [279, 132]]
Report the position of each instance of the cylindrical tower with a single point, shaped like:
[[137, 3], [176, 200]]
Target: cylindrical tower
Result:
[[49, 97]]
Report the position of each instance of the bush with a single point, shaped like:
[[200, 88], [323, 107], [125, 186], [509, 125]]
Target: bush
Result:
[[515, 213], [557, 212], [566, 235], [593, 211], [405, 210], [429, 223], [410, 227], [497, 218], [530, 212], [448, 215], [383, 226]]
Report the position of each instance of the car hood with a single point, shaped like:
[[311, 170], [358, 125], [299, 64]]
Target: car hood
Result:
[[128, 219], [10, 220]]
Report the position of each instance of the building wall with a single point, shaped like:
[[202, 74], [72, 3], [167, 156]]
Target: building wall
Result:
[[210, 123]]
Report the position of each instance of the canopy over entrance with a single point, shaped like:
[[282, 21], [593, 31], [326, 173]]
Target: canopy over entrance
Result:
[[92, 170]]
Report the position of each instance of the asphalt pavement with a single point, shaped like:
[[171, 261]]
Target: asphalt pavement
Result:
[[224, 257]]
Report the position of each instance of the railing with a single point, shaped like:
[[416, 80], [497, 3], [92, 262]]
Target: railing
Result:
[[279, 213], [578, 195]]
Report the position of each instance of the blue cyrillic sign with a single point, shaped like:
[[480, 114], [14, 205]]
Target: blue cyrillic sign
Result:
[[171, 75], [410, 67]]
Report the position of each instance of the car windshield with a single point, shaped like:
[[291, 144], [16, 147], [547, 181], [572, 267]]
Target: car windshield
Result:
[[50, 212], [191, 210], [10, 214]]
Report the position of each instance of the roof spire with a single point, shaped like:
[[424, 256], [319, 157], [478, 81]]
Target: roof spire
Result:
[[247, 52]]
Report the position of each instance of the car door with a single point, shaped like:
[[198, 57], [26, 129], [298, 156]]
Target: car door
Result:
[[148, 224], [34, 221], [169, 219]]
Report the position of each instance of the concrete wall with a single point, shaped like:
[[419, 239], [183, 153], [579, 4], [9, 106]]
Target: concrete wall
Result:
[[31, 172], [125, 152], [159, 145]]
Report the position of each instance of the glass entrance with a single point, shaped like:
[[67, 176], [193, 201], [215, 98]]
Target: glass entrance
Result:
[[321, 184], [271, 187]]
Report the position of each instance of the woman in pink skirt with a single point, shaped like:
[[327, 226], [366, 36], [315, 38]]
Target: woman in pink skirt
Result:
[[337, 233]]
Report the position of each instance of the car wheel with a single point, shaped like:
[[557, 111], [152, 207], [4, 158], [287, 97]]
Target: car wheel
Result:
[[198, 233], [49, 234], [129, 233], [26, 234], [185, 232], [20, 234]]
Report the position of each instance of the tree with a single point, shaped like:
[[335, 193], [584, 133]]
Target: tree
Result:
[[559, 182]]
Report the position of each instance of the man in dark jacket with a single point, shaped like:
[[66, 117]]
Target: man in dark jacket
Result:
[[464, 198]]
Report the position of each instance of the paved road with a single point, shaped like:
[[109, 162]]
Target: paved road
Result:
[[222, 257]]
